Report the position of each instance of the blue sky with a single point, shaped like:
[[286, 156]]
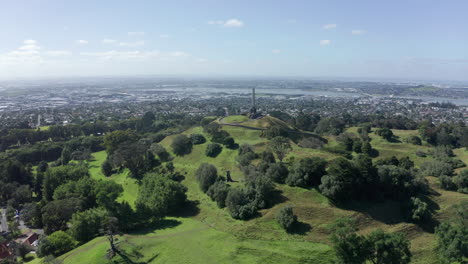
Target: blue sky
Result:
[[361, 39]]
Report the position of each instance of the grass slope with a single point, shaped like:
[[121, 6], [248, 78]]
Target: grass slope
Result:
[[211, 236], [130, 185]]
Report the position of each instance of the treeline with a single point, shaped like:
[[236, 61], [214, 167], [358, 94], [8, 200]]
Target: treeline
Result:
[[149, 123]]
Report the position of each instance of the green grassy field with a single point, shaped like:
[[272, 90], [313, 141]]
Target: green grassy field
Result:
[[235, 119], [211, 236], [130, 185]]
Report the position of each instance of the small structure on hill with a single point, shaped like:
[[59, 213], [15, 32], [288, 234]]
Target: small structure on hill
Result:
[[253, 111]]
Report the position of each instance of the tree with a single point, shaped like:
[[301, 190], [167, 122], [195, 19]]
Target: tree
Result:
[[110, 228], [206, 175], [337, 185], [56, 214], [378, 247], [268, 157], [286, 218], [181, 145], [159, 151], [218, 192], [277, 172], [57, 176], [107, 193], [385, 133], [350, 248], [197, 139], [66, 155], [114, 139], [307, 172], [213, 150], [239, 205], [87, 224], [367, 148], [415, 140], [419, 210], [106, 168], [229, 142], [388, 248], [56, 244], [357, 146], [452, 237], [158, 195], [22, 250], [280, 146]]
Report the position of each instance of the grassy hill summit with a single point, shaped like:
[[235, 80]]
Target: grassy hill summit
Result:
[[205, 233]]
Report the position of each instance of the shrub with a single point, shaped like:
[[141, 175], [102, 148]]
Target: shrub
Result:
[[159, 151], [307, 172], [446, 183], [419, 210], [229, 142], [415, 140], [311, 142], [218, 192], [213, 149], [286, 218], [245, 148], [239, 204], [421, 153], [206, 175], [277, 172], [436, 168], [268, 157], [197, 139], [106, 168], [56, 244], [245, 159], [461, 181], [385, 133], [181, 145]]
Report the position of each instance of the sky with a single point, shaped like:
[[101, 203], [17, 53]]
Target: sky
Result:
[[398, 39]]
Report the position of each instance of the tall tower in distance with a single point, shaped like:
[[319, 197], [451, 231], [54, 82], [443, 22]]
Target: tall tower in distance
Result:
[[253, 110], [253, 97]]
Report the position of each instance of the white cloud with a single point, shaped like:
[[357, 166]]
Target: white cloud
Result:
[[178, 54], [275, 51], [233, 22], [30, 42], [58, 53], [358, 32], [325, 42], [82, 42], [329, 26], [29, 45], [134, 55], [136, 33], [132, 44], [109, 41]]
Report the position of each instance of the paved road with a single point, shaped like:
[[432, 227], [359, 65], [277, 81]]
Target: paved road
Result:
[[3, 221]]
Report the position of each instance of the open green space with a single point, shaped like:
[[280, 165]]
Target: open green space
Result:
[[211, 235]]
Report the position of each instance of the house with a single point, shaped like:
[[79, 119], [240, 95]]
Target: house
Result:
[[5, 252], [32, 239]]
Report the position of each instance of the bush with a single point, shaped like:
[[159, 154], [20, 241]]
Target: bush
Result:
[[239, 205], [245, 159], [436, 168], [446, 183], [206, 175], [213, 150], [106, 168], [421, 153], [159, 151], [461, 181], [415, 140], [218, 192], [158, 196], [311, 142], [286, 218], [229, 142], [56, 244], [197, 139], [181, 145], [87, 224], [268, 157], [419, 210], [307, 172], [245, 148], [277, 172]]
